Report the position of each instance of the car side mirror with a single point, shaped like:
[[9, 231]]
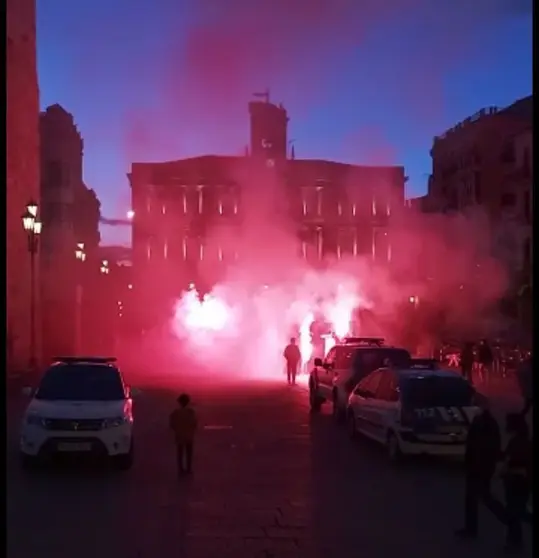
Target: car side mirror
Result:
[[27, 391], [318, 362]]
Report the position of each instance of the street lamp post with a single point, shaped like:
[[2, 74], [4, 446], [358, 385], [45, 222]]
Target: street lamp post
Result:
[[80, 256], [33, 229], [105, 270]]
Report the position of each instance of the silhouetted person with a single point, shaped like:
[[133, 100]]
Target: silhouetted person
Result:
[[486, 359], [516, 475], [483, 450], [292, 357], [183, 422], [525, 381], [466, 361]]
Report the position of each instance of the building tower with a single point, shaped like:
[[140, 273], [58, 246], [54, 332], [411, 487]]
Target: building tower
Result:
[[22, 171], [70, 216], [268, 124]]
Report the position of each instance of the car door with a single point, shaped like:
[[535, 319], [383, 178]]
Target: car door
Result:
[[363, 410], [343, 373], [385, 403], [325, 376]]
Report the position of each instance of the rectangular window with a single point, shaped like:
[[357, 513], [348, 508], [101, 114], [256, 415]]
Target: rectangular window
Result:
[[54, 174], [508, 199], [478, 188], [347, 242], [319, 200], [309, 202], [527, 206], [200, 200], [380, 245]]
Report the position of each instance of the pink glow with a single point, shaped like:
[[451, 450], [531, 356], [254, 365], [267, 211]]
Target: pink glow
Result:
[[249, 325], [305, 343], [198, 320], [339, 312]]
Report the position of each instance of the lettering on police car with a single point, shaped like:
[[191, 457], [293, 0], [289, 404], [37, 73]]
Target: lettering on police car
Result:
[[447, 414]]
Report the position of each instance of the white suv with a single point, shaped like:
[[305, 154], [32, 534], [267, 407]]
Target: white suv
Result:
[[81, 405], [345, 364]]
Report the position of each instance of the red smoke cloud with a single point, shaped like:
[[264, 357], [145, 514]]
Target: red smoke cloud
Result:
[[235, 47]]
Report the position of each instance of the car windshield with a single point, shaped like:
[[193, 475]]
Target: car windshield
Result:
[[370, 359], [437, 391], [81, 382]]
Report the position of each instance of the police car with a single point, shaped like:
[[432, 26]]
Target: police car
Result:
[[81, 405], [334, 378], [416, 410]]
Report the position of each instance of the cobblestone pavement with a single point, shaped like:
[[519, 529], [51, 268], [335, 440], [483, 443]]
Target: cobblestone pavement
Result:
[[270, 480]]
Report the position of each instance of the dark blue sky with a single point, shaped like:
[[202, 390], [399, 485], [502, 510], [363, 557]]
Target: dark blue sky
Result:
[[364, 81]]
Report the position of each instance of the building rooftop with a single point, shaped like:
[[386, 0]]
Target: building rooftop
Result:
[[521, 109]]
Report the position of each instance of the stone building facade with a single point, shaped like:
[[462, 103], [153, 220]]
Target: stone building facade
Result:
[[70, 214], [22, 170]]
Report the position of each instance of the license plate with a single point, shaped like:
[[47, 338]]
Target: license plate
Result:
[[80, 446], [450, 430]]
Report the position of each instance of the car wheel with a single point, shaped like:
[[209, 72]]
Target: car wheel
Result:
[[351, 425], [394, 451], [28, 462], [124, 462], [337, 412], [314, 401]]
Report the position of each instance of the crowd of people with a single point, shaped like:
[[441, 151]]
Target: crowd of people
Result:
[[482, 361], [484, 457]]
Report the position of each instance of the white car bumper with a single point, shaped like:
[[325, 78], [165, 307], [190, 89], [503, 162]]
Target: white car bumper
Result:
[[36, 440]]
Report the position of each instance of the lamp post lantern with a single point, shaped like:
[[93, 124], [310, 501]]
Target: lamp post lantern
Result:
[[80, 256], [33, 228], [104, 269]]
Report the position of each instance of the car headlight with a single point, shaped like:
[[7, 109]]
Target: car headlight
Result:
[[115, 421], [35, 420]]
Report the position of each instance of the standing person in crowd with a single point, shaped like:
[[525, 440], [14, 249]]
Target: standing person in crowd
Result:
[[483, 450], [292, 357], [525, 382], [517, 478], [467, 361], [486, 360]]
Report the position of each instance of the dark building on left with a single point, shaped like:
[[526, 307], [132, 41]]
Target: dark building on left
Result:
[[22, 181], [70, 213]]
